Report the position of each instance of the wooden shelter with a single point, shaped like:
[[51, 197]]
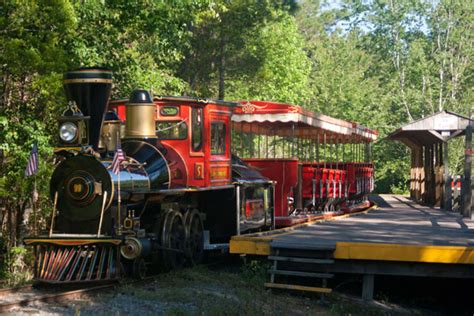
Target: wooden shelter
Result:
[[428, 138]]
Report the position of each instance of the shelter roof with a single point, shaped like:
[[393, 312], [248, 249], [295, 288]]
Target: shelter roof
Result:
[[286, 120], [432, 129]]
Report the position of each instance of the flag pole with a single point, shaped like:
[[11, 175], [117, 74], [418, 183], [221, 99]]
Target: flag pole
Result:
[[33, 204], [32, 170], [119, 200]]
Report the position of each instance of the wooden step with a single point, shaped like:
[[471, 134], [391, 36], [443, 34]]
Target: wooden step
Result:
[[302, 246], [301, 260], [298, 287], [301, 273]]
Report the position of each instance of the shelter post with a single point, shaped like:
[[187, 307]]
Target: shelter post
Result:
[[438, 174], [467, 183], [447, 202], [426, 168]]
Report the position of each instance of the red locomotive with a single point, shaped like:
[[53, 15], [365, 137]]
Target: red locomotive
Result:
[[176, 191], [321, 165]]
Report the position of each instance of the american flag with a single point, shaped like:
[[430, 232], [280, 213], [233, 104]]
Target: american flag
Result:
[[119, 156], [32, 166]]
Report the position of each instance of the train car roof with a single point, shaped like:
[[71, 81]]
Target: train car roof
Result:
[[185, 99], [286, 120]]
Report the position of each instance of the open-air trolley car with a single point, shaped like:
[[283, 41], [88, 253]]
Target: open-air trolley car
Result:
[[321, 165]]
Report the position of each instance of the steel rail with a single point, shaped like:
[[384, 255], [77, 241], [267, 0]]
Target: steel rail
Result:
[[12, 290], [60, 296]]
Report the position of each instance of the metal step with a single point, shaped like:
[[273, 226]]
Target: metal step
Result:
[[298, 287], [303, 274], [301, 260]]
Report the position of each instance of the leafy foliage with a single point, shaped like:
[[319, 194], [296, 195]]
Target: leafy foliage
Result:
[[32, 55], [283, 67], [141, 41], [16, 266], [385, 63]]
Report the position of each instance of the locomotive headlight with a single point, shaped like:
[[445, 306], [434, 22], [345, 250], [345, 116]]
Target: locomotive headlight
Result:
[[68, 132]]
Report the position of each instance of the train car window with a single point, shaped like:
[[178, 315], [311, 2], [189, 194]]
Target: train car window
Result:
[[217, 138], [197, 128], [171, 129]]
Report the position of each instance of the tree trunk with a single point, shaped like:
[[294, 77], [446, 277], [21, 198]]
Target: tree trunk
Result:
[[222, 68], [20, 216], [441, 77]]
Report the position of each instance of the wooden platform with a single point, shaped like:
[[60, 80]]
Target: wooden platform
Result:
[[397, 230]]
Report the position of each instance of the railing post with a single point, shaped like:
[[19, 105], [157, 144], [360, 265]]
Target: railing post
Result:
[[55, 205]]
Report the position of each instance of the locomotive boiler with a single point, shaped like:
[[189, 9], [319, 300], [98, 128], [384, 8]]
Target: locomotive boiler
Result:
[[144, 183]]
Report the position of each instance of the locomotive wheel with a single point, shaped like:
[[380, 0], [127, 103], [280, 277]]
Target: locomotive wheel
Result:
[[173, 239], [139, 268], [194, 237]]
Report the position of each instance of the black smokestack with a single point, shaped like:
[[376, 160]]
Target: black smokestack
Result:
[[90, 89]]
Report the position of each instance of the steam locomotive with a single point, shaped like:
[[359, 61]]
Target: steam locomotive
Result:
[[178, 190]]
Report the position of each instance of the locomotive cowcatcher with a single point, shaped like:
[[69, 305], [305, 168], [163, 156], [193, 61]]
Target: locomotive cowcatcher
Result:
[[176, 191]]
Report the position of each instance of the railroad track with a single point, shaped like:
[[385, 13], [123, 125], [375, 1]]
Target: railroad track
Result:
[[22, 296], [16, 297]]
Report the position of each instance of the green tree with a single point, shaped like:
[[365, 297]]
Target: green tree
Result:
[[141, 41], [452, 52], [32, 58], [283, 66], [220, 51]]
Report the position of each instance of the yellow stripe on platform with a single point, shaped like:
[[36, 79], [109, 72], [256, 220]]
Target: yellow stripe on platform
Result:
[[410, 253], [371, 251], [252, 246]]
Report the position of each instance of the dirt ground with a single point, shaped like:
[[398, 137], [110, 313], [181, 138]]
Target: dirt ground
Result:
[[212, 291]]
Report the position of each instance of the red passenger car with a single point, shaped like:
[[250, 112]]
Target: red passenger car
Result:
[[321, 165]]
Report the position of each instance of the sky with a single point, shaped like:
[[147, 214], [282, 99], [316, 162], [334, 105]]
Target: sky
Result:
[[417, 23]]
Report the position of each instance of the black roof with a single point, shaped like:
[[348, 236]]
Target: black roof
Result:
[[187, 99], [194, 99]]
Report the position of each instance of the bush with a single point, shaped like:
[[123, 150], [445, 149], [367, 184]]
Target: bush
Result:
[[255, 271], [16, 266]]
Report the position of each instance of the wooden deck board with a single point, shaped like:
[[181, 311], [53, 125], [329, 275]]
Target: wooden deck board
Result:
[[399, 230], [400, 221]]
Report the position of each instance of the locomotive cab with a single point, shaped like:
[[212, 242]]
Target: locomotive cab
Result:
[[195, 135]]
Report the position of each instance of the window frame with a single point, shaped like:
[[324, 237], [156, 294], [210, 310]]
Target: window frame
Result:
[[222, 136], [197, 112], [185, 136]]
